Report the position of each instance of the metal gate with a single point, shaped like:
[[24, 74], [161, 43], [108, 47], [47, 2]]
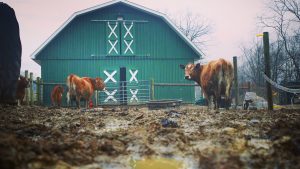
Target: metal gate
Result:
[[125, 93]]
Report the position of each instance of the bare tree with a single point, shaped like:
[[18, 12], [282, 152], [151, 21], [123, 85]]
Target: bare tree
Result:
[[253, 63], [194, 28], [285, 20]]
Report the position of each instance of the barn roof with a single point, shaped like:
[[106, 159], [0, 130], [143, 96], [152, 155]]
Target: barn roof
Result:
[[145, 9]]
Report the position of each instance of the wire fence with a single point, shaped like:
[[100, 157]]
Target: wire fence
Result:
[[133, 93], [125, 92]]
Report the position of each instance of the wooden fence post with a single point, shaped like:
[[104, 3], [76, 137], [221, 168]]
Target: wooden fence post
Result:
[[236, 87], [31, 88], [41, 91], [26, 90], [267, 69], [38, 91], [96, 98], [152, 89]]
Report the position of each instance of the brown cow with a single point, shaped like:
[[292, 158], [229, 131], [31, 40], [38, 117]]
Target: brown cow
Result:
[[215, 79], [56, 95], [21, 85], [83, 87]]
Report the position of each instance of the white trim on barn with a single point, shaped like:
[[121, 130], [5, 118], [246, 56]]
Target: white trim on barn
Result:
[[150, 11]]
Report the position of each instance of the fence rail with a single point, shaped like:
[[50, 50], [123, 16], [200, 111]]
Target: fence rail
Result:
[[116, 93], [125, 92], [174, 84]]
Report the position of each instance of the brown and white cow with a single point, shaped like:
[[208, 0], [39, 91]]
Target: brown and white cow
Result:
[[56, 95], [22, 84], [215, 79], [83, 88]]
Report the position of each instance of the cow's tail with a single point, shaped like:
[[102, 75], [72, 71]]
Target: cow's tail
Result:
[[71, 88], [68, 98], [70, 83], [227, 71], [223, 73]]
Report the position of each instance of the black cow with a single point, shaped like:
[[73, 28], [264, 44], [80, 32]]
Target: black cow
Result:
[[10, 54]]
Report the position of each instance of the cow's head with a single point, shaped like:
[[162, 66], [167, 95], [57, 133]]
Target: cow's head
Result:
[[23, 82], [191, 71], [60, 89], [99, 83]]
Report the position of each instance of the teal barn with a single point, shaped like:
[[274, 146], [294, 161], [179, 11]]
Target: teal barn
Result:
[[126, 44]]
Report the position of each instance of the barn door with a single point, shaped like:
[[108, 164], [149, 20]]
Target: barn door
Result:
[[127, 38], [111, 79], [123, 86], [133, 86], [113, 38]]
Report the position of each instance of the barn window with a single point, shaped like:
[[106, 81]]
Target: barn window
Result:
[[128, 38], [120, 38], [113, 38]]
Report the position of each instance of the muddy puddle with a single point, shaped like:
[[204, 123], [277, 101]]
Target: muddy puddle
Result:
[[188, 137]]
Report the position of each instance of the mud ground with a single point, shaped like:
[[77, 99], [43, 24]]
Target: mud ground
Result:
[[40, 137]]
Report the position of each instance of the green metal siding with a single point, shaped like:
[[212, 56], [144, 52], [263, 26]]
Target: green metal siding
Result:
[[81, 48]]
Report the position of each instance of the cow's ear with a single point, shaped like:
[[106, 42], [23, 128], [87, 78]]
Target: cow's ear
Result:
[[182, 66], [197, 67]]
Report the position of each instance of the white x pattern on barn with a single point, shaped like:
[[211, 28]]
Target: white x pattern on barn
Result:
[[133, 75], [110, 96], [134, 93], [128, 46], [128, 33], [112, 32], [113, 46], [128, 29], [110, 76]]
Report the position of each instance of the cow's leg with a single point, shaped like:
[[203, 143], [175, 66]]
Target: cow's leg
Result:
[[227, 96], [213, 103], [216, 100], [22, 101], [210, 100], [72, 101], [208, 103], [78, 101], [52, 100], [86, 103], [227, 102], [59, 101]]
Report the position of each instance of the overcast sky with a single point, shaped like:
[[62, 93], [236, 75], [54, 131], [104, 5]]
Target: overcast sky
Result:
[[234, 22]]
